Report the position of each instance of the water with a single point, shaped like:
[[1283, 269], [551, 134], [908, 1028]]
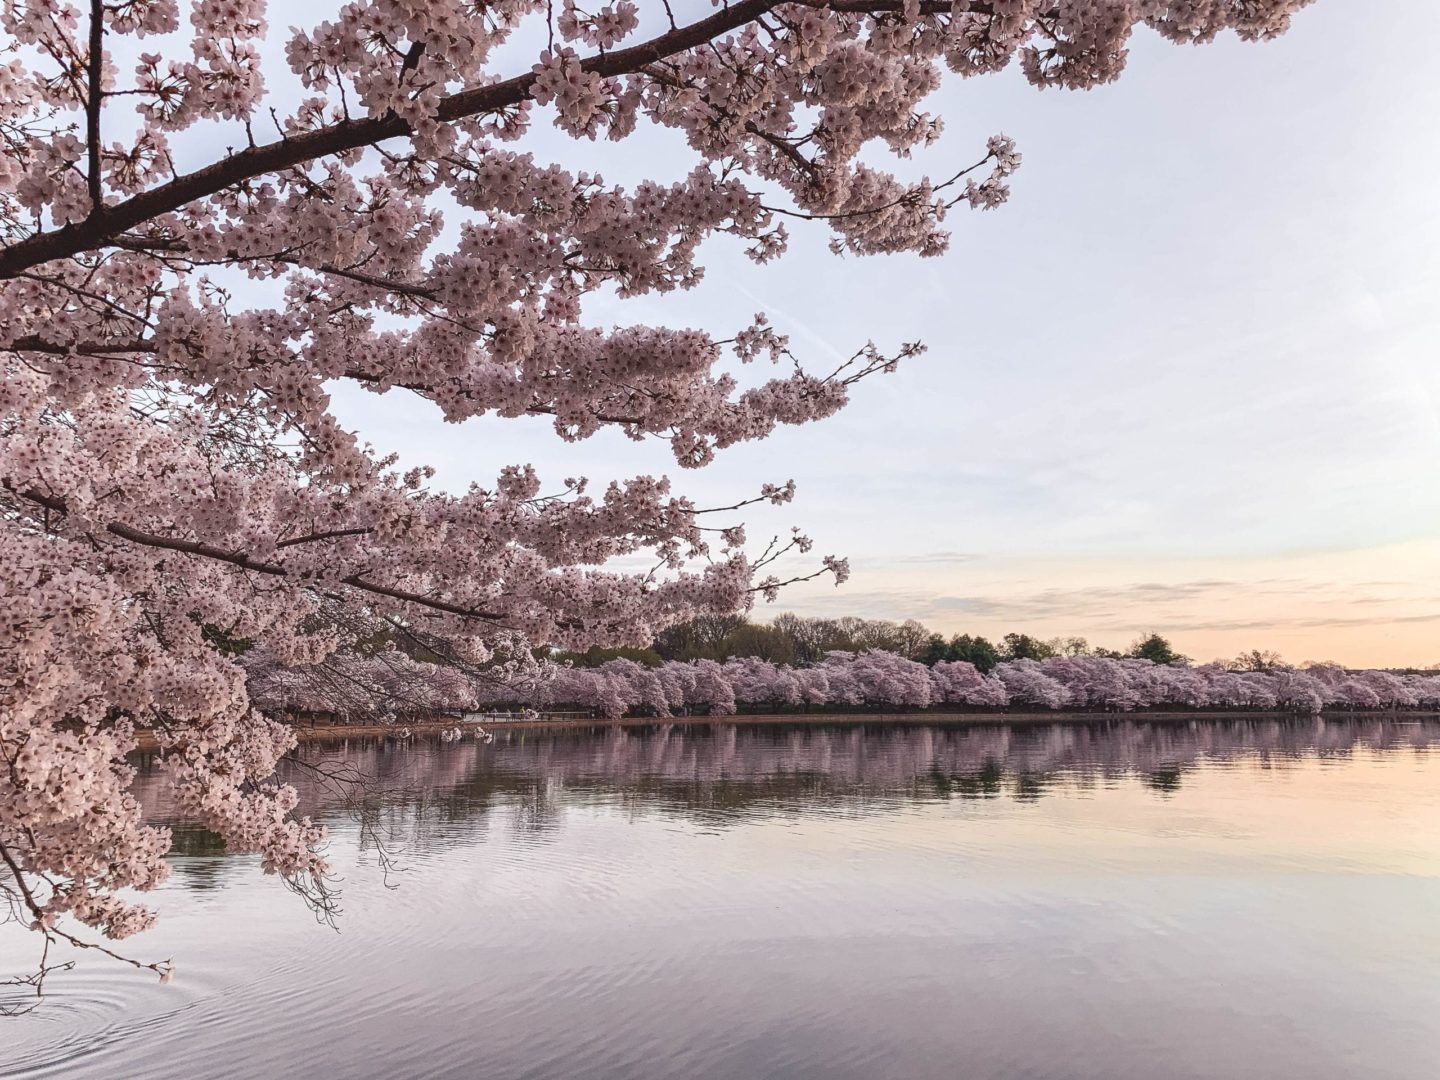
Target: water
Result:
[[1059, 900]]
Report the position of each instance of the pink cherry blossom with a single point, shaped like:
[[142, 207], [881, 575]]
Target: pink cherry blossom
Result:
[[187, 532]]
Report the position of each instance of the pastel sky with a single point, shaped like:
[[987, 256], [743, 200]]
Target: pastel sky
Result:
[[1184, 381]]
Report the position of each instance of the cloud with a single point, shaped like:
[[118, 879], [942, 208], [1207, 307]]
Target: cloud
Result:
[[1072, 605], [1197, 605], [1318, 622], [938, 557], [1086, 601], [898, 604]]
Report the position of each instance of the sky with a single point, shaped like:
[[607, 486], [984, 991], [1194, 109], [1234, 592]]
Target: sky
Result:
[[1185, 381]]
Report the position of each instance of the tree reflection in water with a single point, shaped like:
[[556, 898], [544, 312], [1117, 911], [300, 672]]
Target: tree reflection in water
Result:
[[423, 795]]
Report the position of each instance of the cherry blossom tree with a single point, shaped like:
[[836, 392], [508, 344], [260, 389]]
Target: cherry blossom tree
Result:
[[814, 685], [881, 678], [678, 681], [1426, 689], [640, 687], [1394, 690], [198, 239], [753, 680], [711, 690], [1096, 683], [1297, 690], [954, 680], [1029, 685]]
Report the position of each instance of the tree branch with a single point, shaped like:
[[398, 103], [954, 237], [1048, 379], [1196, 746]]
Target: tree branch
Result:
[[245, 562], [35, 343], [93, 100], [329, 534], [107, 222]]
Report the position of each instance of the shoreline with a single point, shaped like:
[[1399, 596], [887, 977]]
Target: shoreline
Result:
[[322, 733]]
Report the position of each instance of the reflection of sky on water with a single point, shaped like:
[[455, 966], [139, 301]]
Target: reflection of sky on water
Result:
[[1106, 900]]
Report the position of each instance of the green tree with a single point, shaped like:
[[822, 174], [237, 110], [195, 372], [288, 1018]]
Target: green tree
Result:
[[975, 650], [597, 655], [1157, 650], [936, 649], [1025, 647]]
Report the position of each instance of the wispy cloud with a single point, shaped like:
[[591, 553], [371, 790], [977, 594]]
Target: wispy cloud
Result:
[[1302, 613], [1320, 622], [942, 557], [1087, 601]]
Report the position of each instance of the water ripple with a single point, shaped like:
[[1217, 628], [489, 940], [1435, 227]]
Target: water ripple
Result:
[[1066, 900]]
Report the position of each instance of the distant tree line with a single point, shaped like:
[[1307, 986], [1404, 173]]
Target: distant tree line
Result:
[[719, 665], [845, 681], [796, 641]]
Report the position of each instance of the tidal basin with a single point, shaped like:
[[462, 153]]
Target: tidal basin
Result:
[[1122, 899]]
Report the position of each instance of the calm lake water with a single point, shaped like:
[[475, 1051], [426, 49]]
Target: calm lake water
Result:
[[1143, 900]]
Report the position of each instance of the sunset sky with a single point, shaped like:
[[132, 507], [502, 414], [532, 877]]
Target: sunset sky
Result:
[[1184, 381]]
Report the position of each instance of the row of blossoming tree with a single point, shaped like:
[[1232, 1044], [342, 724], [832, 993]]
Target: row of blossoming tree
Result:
[[205, 227], [872, 680]]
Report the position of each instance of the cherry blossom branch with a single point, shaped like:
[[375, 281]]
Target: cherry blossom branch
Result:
[[36, 980], [35, 343], [328, 534], [910, 196], [93, 102], [109, 221], [163, 968], [246, 562]]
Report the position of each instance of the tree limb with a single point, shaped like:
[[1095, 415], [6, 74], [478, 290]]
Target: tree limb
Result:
[[245, 562], [93, 100], [107, 222]]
